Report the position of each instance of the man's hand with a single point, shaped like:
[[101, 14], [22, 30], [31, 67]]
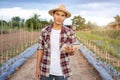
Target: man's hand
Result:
[[37, 74], [70, 49], [39, 57]]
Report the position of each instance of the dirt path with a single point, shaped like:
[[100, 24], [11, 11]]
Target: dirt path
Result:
[[26, 71], [81, 69]]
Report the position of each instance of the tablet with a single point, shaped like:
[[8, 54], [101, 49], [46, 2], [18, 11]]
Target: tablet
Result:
[[77, 46]]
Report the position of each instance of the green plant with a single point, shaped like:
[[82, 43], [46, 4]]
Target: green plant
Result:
[[102, 42], [0, 64]]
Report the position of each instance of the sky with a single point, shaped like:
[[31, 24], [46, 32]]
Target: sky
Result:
[[100, 12]]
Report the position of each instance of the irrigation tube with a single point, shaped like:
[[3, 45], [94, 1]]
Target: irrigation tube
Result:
[[103, 73], [10, 66]]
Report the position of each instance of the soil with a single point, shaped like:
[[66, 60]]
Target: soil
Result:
[[81, 69]]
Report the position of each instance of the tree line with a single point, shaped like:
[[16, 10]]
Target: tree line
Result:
[[33, 22], [36, 23], [81, 24]]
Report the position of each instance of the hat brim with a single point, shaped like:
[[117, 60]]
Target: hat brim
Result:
[[53, 10]]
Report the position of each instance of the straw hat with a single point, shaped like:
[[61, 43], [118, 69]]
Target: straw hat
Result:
[[60, 8]]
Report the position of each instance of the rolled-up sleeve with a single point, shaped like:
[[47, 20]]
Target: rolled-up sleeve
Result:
[[72, 36], [40, 42]]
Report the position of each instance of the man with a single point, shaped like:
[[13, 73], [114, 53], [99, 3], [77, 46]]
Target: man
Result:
[[52, 61]]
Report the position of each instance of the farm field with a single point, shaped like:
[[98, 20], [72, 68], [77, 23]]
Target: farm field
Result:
[[107, 48], [12, 43]]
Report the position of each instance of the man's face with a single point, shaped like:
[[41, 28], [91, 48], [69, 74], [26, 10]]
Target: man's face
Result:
[[59, 17]]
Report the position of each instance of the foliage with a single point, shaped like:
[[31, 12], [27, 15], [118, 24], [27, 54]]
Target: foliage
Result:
[[0, 64], [15, 22], [43, 23], [79, 22], [3, 23], [117, 18], [88, 25], [35, 22], [111, 45], [51, 21], [113, 34]]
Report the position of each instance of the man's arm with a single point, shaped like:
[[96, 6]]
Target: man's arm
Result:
[[70, 49], [39, 57]]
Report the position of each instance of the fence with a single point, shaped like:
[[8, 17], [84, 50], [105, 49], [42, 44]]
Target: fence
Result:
[[14, 40], [108, 61]]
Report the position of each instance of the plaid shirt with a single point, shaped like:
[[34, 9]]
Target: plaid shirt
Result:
[[67, 36]]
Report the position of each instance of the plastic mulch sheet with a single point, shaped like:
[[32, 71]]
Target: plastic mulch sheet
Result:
[[10, 66], [91, 59]]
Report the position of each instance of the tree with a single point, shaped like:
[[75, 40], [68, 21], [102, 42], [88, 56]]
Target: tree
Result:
[[22, 22], [51, 21], [117, 18], [3, 23], [43, 23], [16, 21], [33, 21], [79, 22], [36, 20], [89, 25]]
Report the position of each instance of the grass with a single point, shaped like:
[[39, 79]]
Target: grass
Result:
[[113, 34], [111, 45], [0, 64], [117, 68]]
